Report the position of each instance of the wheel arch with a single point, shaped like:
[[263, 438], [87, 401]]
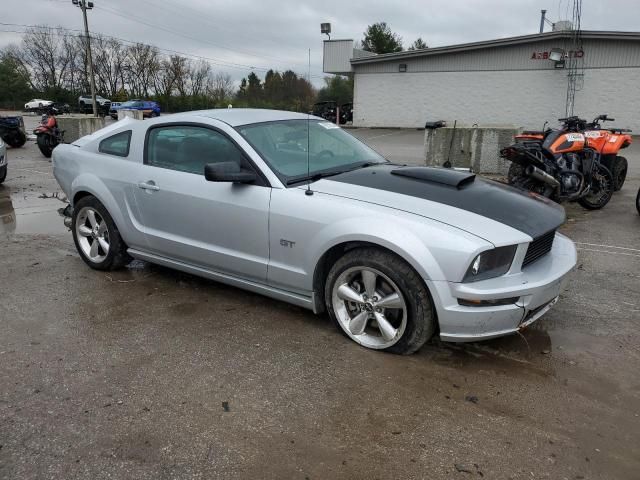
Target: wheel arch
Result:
[[333, 253], [89, 185]]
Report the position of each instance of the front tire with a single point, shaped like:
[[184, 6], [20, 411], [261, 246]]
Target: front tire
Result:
[[3, 174], [379, 301], [96, 236], [601, 189], [619, 172], [638, 202]]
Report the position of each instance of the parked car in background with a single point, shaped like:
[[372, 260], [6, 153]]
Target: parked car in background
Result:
[[149, 108], [59, 108], [293, 207], [37, 103], [113, 111], [86, 105], [3, 161]]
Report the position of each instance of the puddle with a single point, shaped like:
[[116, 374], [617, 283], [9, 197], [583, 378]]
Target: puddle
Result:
[[29, 212], [513, 352]]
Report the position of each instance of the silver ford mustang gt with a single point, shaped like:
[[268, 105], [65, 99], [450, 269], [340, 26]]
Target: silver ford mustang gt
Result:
[[293, 207]]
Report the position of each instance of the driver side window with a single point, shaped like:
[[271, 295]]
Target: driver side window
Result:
[[189, 148]]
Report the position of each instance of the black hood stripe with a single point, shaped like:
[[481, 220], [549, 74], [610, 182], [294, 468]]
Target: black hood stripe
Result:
[[528, 213]]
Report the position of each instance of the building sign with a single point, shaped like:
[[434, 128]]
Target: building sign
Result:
[[545, 55]]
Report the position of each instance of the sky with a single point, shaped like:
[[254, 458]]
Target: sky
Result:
[[240, 35]]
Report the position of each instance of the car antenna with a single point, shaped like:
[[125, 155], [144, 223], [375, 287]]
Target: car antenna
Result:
[[308, 191]]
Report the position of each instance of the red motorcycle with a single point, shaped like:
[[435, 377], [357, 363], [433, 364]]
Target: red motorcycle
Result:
[[49, 136]]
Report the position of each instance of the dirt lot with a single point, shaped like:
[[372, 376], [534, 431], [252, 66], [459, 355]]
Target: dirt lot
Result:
[[152, 374]]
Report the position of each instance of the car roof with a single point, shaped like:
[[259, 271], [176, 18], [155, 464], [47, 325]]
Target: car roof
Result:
[[244, 116]]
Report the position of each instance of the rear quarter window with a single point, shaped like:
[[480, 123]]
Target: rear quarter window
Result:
[[117, 144]]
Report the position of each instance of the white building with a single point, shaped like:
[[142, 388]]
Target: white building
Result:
[[509, 81]]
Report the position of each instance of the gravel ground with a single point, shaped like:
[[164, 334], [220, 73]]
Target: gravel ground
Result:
[[148, 373]]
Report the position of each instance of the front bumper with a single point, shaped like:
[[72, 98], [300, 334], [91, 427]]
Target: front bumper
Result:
[[537, 287]]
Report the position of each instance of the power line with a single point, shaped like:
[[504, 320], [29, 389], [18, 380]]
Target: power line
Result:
[[136, 19], [96, 35], [218, 25]]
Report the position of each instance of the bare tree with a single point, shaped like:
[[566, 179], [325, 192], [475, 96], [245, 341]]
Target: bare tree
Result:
[[48, 54], [109, 55], [220, 88], [198, 76], [180, 71], [141, 68]]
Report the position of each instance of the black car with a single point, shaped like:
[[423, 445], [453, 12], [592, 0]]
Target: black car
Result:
[[58, 108]]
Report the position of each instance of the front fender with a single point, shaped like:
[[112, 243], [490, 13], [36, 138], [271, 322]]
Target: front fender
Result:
[[436, 251]]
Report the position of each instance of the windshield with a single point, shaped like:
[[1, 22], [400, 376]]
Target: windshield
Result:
[[132, 103], [284, 145]]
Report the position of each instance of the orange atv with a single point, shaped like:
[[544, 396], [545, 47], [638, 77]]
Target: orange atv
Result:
[[607, 142], [558, 164]]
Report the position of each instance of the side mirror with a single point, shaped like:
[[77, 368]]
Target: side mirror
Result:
[[228, 172]]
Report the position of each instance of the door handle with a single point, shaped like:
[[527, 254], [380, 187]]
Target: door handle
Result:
[[150, 185]]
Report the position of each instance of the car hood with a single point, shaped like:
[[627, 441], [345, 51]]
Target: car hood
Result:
[[488, 209]]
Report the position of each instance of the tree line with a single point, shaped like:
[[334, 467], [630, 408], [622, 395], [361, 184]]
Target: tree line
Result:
[[51, 63]]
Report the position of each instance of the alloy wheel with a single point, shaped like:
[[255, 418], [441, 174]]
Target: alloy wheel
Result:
[[369, 307], [93, 234]]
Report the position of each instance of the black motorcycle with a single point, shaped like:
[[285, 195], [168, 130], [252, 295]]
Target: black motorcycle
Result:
[[48, 135], [12, 131], [557, 164]]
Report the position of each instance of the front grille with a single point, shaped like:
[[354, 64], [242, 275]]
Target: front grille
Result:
[[539, 247]]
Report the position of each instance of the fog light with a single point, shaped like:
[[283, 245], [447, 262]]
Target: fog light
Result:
[[465, 302]]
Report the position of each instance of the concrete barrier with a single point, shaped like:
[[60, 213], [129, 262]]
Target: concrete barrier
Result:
[[135, 114], [78, 126], [477, 148]]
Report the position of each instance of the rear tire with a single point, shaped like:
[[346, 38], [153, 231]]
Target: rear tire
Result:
[[515, 171], [379, 301], [602, 189], [44, 144], [16, 140], [638, 202], [3, 174], [96, 236], [619, 172]]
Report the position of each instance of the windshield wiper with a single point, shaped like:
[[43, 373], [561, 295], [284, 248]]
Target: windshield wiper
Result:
[[317, 176], [313, 178]]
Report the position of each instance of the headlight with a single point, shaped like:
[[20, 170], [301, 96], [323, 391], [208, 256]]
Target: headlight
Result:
[[491, 263]]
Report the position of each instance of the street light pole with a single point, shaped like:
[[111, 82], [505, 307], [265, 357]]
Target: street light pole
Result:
[[85, 5]]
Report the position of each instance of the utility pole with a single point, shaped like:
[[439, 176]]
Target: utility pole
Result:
[[543, 14], [84, 6]]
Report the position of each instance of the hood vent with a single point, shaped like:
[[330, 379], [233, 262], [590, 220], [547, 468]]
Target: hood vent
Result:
[[444, 176]]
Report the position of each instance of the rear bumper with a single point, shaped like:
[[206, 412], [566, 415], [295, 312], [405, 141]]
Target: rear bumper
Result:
[[537, 288]]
